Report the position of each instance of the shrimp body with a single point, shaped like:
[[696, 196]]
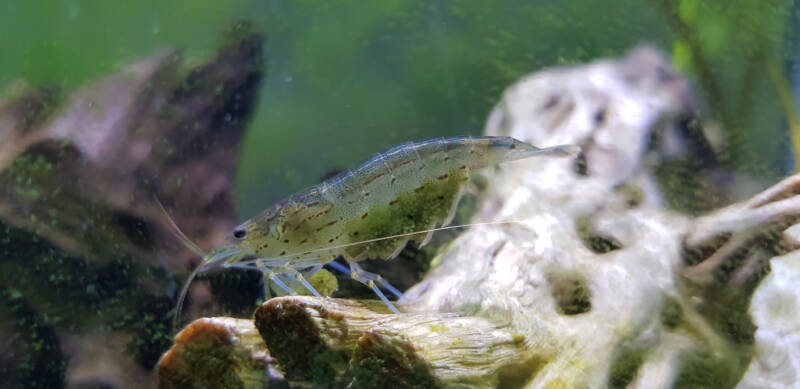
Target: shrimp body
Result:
[[410, 188]]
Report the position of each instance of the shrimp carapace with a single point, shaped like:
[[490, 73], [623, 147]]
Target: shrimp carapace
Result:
[[370, 212]]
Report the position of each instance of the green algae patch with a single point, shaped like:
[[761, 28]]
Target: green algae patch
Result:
[[437, 328], [593, 240], [205, 357], [303, 354], [571, 293], [671, 313], [686, 190], [379, 362], [28, 171], [518, 375], [625, 366], [324, 282], [726, 311], [28, 166], [701, 369]]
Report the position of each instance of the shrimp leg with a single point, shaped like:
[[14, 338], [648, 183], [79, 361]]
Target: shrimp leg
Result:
[[398, 250], [276, 279], [286, 269], [451, 214], [428, 236], [267, 290], [368, 279], [339, 267], [312, 271], [381, 281], [299, 277]]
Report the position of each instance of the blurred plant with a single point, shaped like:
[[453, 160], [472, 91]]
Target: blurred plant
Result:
[[729, 47]]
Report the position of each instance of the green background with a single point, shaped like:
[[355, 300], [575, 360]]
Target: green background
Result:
[[347, 79]]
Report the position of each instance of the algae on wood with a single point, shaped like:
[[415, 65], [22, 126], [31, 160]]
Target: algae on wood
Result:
[[87, 252], [220, 352], [333, 342]]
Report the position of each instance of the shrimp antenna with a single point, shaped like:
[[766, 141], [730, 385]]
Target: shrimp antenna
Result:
[[178, 233], [182, 296], [191, 246]]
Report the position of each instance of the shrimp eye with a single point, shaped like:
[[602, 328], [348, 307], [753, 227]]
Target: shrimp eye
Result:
[[239, 233]]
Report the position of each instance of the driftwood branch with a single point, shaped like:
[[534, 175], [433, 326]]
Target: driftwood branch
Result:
[[87, 253], [360, 343], [223, 350], [738, 229]]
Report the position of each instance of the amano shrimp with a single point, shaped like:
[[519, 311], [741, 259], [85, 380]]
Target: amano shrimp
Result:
[[370, 212]]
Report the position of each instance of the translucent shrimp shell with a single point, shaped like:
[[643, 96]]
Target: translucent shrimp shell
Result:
[[412, 187]]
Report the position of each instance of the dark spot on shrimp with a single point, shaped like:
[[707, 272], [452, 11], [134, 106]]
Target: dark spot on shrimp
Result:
[[297, 227], [393, 202], [286, 241], [332, 223], [367, 182], [443, 177], [446, 158], [419, 189], [364, 216], [325, 212], [282, 253], [355, 233], [440, 197], [401, 164], [330, 240], [394, 180], [463, 167], [303, 241], [264, 246], [512, 147]]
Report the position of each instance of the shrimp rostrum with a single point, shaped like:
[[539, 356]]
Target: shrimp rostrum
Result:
[[367, 213]]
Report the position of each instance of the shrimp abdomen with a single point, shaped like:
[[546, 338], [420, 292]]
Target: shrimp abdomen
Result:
[[414, 187]]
